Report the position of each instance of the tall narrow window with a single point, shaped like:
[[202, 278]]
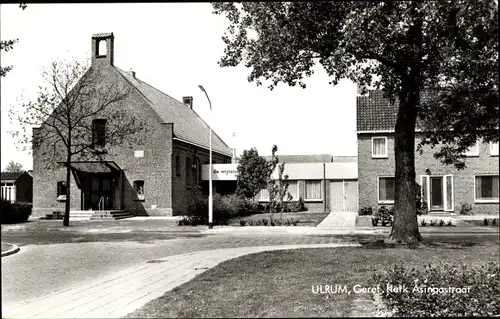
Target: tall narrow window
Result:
[[189, 175], [379, 147], [177, 165], [99, 133], [198, 171], [101, 48], [139, 189], [313, 190], [386, 188], [62, 190]]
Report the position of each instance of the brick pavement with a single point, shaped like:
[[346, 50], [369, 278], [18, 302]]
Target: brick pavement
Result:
[[116, 295]]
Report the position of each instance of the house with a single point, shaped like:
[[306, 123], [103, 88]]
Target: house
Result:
[[17, 186], [156, 177], [325, 182], [443, 187]]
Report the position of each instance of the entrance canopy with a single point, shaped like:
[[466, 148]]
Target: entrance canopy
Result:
[[94, 167]]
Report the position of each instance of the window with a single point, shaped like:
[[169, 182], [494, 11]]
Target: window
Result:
[[486, 189], [473, 151], [313, 190], [189, 175], [8, 192], [101, 48], [494, 148], [139, 189], [98, 133], [62, 190], [177, 165], [198, 171], [264, 194], [379, 147], [386, 188], [292, 189]]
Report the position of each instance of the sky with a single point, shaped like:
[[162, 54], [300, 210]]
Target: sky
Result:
[[175, 47]]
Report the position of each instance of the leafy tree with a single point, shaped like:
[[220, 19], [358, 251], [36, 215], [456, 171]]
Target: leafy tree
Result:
[[73, 96], [405, 48], [278, 189], [252, 174], [14, 167], [7, 45]]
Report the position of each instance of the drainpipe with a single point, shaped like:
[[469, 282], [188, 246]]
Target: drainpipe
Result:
[[324, 186]]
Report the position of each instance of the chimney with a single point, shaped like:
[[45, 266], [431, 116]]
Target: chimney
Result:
[[188, 100], [102, 49], [132, 73]]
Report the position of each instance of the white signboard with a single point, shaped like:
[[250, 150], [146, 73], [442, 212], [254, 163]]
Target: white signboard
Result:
[[220, 172]]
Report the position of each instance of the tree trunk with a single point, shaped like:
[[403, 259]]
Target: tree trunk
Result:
[[68, 193], [405, 226]]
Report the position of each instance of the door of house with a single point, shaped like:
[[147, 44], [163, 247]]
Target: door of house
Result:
[[437, 191], [100, 192], [344, 196]]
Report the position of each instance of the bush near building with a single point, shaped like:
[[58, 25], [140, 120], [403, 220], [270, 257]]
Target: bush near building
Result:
[[441, 290], [18, 212]]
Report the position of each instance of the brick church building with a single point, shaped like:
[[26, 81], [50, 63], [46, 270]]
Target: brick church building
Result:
[[156, 177]]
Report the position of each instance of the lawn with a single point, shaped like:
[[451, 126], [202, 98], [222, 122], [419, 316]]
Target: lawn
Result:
[[305, 218], [279, 284]]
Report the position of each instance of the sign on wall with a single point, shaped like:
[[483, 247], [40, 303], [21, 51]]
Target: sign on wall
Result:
[[220, 172]]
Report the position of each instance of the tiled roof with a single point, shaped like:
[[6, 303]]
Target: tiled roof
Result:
[[10, 176], [374, 112], [316, 158], [345, 159], [102, 35], [188, 125]]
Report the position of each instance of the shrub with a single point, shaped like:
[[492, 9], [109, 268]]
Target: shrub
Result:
[[243, 222], [384, 216], [465, 209], [486, 222], [433, 222], [450, 223], [264, 222], [426, 297], [17, 212], [494, 223], [375, 221], [423, 223], [441, 223], [365, 211], [391, 211], [295, 222]]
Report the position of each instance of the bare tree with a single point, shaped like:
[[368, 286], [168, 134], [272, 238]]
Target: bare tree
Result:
[[14, 167], [64, 111]]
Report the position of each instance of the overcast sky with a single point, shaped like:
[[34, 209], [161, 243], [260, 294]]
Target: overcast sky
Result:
[[175, 47]]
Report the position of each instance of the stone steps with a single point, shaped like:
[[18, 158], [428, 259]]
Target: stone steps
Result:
[[91, 215]]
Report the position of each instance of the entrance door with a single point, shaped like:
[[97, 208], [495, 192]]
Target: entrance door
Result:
[[344, 196], [100, 192], [436, 190]]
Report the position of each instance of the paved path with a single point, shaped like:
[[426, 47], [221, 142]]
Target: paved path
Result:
[[339, 220], [120, 293]]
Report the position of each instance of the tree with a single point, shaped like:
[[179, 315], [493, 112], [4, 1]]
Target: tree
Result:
[[14, 167], [405, 48], [64, 111], [7, 45], [252, 174], [278, 189]]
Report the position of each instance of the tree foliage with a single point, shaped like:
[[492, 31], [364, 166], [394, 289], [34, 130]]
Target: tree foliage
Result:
[[14, 167], [438, 60], [7, 45], [252, 174], [278, 188], [62, 115]]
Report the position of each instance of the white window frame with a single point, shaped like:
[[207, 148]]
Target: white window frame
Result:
[[473, 154], [491, 149], [445, 194], [320, 190], [378, 191], [494, 201], [386, 148], [260, 199]]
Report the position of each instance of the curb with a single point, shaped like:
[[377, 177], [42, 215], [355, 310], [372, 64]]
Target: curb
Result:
[[11, 251]]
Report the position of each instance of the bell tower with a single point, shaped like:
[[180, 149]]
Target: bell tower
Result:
[[103, 49]]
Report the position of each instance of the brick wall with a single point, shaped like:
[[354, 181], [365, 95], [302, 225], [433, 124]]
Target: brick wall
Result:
[[182, 191], [463, 181]]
